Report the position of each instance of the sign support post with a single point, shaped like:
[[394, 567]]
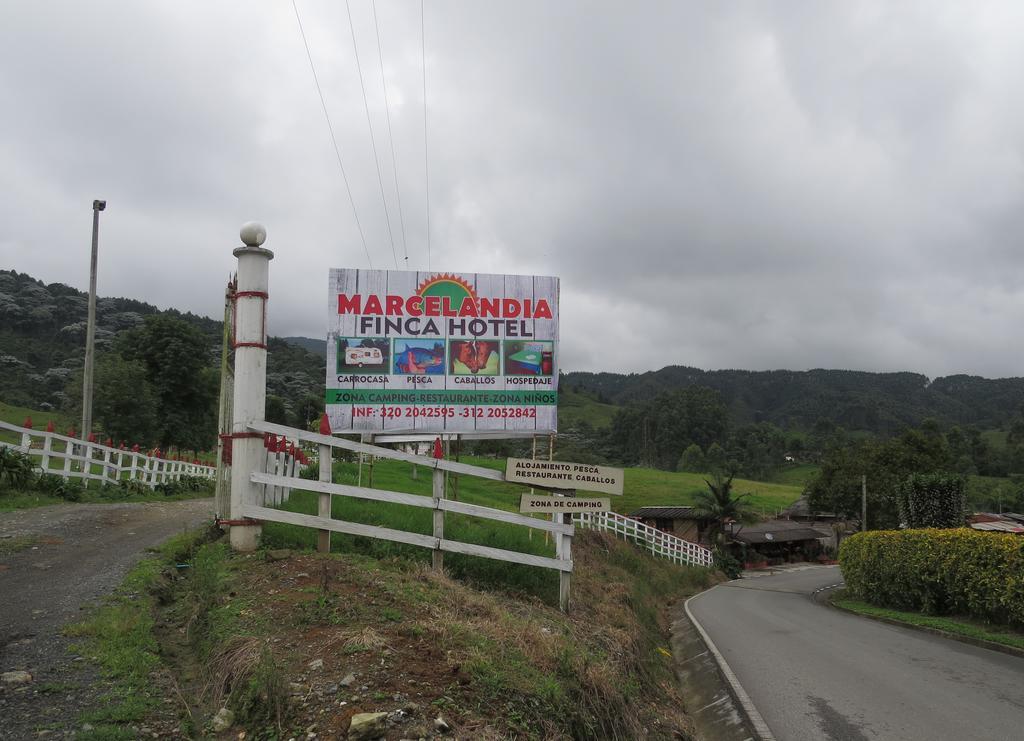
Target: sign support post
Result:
[[250, 342]]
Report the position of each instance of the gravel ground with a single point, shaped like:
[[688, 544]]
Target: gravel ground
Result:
[[72, 554]]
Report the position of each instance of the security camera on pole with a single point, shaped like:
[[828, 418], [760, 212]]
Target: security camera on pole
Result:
[[250, 345]]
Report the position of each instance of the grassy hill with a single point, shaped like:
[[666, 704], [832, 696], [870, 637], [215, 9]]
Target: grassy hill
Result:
[[574, 407]]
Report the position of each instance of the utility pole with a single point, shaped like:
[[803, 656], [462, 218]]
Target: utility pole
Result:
[[863, 503], [90, 332]]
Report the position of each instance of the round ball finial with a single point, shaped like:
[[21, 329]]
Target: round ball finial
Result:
[[253, 234]]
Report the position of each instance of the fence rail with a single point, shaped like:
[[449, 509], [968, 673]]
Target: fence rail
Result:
[[113, 464], [649, 538], [436, 541]]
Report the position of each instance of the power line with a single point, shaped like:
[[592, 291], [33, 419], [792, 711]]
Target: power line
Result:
[[426, 161], [373, 144], [391, 136], [334, 141]]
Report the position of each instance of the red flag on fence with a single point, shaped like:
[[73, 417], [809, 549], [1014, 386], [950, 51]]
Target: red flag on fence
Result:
[[109, 443], [325, 424], [28, 423], [135, 448], [71, 432], [49, 426], [92, 437], [438, 451]]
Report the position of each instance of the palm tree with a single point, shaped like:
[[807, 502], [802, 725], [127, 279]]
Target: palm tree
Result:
[[720, 506]]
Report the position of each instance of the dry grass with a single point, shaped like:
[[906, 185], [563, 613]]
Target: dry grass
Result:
[[232, 664]]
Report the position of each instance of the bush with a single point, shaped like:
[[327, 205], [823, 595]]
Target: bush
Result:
[[727, 563], [15, 468], [932, 500], [953, 571]]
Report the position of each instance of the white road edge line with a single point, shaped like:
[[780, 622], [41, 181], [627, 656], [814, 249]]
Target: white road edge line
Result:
[[760, 727]]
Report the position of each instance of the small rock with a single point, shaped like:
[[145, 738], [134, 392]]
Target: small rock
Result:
[[410, 708], [331, 689], [86, 727], [440, 725], [222, 721], [316, 664], [278, 555], [18, 677], [367, 726], [348, 680], [294, 688]]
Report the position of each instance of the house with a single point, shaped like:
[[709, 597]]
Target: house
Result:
[[780, 541], [801, 510], [683, 522]]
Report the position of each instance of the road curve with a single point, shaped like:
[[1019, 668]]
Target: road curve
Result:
[[817, 673]]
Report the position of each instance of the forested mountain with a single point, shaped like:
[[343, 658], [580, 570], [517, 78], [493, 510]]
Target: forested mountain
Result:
[[42, 346], [882, 403]]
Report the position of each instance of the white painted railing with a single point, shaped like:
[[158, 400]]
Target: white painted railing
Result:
[[326, 488], [70, 457], [649, 538]]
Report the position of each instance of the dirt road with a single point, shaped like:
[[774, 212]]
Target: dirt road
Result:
[[65, 557]]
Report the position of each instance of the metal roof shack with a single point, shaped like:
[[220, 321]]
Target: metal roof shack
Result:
[[1003, 526], [683, 522], [664, 513], [778, 531]]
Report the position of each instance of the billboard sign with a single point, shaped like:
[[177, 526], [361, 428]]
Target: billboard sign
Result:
[[422, 352]]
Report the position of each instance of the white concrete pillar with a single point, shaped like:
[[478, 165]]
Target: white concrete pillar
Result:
[[250, 397]]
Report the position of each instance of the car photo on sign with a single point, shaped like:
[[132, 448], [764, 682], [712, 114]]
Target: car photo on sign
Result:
[[364, 355], [529, 358]]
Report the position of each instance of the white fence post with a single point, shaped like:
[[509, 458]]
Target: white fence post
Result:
[[323, 544], [250, 394], [47, 447], [437, 558]]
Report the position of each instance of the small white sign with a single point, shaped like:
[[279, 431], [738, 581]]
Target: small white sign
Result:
[[531, 503], [562, 475]]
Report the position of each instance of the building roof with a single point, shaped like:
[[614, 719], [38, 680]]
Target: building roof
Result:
[[778, 531], [1004, 526], [1014, 516], [665, 513]]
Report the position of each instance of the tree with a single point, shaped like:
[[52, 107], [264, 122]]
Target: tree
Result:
[[275, 410], [655, 432], [692, 460], [719, 506], [176, 356], [124, 404], [716, 459]]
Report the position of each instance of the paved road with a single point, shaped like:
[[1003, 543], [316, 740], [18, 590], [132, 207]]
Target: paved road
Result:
[[817, 673], [73, 554]]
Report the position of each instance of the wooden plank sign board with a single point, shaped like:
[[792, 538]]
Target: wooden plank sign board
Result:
[[562, 475], [531, 503]]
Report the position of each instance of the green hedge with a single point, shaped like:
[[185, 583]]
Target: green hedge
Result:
[[938, 572]]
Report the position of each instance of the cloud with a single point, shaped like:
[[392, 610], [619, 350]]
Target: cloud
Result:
[[753, 185]]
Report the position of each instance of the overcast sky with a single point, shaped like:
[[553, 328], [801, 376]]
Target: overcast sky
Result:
[[718, 184]]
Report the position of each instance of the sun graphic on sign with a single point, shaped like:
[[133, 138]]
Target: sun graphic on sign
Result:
[[446, 285]]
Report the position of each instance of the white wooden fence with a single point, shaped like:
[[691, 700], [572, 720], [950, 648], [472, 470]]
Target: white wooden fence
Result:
[[649, 538], [436, 541], [70, 457]]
